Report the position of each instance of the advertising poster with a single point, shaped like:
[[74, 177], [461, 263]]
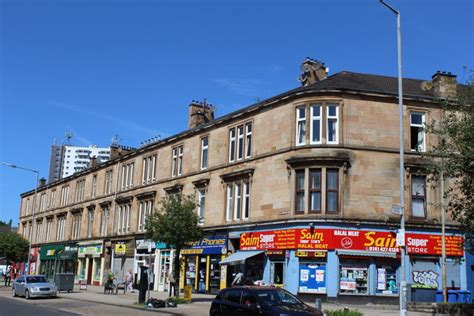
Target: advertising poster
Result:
[[312, 278]]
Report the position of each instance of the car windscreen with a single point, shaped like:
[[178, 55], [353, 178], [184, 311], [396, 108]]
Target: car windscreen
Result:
[[276, 297], [36, 279]]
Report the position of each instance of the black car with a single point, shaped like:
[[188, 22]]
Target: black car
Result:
[[261, 301]]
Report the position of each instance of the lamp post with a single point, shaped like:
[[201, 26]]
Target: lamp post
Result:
[[403, 284], [34, 206]]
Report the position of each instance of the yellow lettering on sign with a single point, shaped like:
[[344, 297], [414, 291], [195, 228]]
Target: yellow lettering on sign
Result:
[[388, 241]]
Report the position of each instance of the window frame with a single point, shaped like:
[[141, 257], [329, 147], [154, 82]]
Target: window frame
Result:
[[418, 197], [312, 190], [240, 141], [314, 118], [331, 117], [201, 205], [177, 160], [238, 199], [204, 163], [301, 120], [418, 126], [328, 190]]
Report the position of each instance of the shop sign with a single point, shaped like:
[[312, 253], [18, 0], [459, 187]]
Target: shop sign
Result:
[[423, 244], [425, 279], [120, 249], [365, 240], [51, 252], [207, 246], [310, 254], [69, 253], [93, 250]]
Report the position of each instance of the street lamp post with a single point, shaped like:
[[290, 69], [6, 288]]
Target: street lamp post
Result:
[[403, 284], [34, 206]]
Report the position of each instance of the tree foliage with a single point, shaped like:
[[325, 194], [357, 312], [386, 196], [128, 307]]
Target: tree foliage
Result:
[[13, 247], [175, 224], [454, 155]]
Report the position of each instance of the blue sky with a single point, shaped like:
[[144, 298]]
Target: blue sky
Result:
[[130, 68]]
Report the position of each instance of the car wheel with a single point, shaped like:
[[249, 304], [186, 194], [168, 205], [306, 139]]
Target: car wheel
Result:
[[27, 294], [14, 292]]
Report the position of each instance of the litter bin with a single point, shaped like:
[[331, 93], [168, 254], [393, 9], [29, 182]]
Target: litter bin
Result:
[[439, 296], [453, 296], [64, 281], [464, 297]]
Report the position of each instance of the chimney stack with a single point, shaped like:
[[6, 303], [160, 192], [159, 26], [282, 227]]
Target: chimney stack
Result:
[[42, 182], [200, 113], [312, 71], [444, 84], [119, 151], [93, 162]]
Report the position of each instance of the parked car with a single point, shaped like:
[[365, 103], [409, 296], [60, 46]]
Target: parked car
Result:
[[261, 301], [33, 286]]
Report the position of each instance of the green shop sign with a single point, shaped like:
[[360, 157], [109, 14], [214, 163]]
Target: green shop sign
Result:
[[58, 252], [92, 250]]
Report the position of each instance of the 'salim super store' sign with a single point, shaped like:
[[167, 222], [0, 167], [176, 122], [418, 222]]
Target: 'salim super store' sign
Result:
[[324, 239]]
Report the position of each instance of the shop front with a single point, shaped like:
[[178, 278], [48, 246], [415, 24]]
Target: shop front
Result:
[[123, 258], [425, 265], [144, 257], [90, 263], [34, 260], [201, 264], [360, 262], [58, 259], [164, 258]]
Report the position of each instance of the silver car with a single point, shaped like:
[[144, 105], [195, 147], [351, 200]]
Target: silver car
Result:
[[33, 286]]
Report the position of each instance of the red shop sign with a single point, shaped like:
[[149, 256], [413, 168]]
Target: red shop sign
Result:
[[366, 240]]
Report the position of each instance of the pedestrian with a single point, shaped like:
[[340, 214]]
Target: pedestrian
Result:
[[172, 282], [129, 281], [238, 279], [202, 280], [8, 275]]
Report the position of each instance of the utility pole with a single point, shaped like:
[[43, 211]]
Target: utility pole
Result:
[[403, 283]]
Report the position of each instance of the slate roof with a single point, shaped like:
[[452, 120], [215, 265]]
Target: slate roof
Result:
[[351, 81]]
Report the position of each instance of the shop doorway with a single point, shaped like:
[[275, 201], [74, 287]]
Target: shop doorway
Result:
[[90, 262], [164, 270], [276, 272]]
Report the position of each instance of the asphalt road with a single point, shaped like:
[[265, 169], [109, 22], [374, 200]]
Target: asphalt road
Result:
[[11, 307]]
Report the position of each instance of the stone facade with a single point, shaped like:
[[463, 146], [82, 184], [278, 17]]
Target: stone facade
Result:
[[362, 150]]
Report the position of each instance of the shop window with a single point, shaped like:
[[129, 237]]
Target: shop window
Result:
[[418, 196], [312, 277], [191, 271], [417, 131], [387, 279], [353, 279]]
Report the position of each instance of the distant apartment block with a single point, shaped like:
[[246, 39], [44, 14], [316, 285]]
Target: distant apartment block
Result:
[[66, 160]]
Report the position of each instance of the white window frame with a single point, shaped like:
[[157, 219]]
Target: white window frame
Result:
[[201, 205], [123, 219], [180, 160], [248, 140], [240, 142], [52, 199], [246, 199], [232, 144], [27, 206], [314, 118], [422, 126], [177, 167], [90, 223], [332, 117], [229, 202], [204, 149], [104, 221], [301, 120], [49, 227], [94, 186], [144, 211]]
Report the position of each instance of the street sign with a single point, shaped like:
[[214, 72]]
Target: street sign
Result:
[[396, 209], [400, 238]]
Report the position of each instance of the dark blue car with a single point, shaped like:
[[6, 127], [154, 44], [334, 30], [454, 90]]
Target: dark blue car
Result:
[[261, 301]]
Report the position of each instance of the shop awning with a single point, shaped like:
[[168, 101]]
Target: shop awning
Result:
[[240, 257], [366, 253]]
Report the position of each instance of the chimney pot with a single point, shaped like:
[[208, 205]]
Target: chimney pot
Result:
[[42, 182]]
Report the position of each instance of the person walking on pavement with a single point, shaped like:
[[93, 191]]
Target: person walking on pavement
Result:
[[172, 282], [8, 275], [238, 279], [129, 281]]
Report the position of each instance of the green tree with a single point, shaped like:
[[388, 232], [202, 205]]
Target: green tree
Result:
[[13, 247], [454, 155], [175, 224]]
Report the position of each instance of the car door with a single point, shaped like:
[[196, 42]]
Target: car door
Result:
[[230, 304], [20, 286], [248, 303]]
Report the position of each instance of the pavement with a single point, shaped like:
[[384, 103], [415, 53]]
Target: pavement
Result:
[[96, 299]]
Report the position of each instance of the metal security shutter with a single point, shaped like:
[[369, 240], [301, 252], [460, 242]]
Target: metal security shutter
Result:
[[453, 278], [419, 265]]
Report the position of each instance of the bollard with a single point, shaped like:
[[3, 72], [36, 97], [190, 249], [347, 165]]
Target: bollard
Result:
[[317, 304]]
